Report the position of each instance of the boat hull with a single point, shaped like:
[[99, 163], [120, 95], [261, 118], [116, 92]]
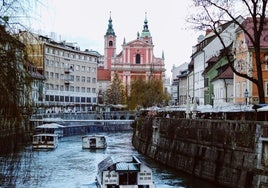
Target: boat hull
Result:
[[94, 142], [45, 141]]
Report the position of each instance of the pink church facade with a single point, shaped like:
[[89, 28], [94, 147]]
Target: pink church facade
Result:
[[136, 59]]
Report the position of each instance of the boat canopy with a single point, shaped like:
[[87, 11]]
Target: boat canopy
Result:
[[105, 164], [127, 167], [93, 136], [109, 164], [50, 126], [46, 135]]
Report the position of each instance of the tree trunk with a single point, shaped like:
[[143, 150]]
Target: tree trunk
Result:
[[260, 82]]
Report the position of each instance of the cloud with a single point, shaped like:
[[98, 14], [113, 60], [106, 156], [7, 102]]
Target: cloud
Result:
[[86, 22]]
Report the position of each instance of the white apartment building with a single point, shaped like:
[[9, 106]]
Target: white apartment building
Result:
[[207, 47], [179, 85], [71, 74]]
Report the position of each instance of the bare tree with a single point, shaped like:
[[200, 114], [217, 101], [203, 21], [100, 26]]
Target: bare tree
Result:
[[211, 13], [15, 88], [15, 81]]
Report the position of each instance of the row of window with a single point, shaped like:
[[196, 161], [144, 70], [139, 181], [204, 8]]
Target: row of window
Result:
[[240, 89], [57, 76], [71, 67], [71, 55], [71, 99], [70, 88]]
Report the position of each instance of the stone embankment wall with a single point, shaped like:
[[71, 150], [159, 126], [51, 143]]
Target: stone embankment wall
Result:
[[229, 153]]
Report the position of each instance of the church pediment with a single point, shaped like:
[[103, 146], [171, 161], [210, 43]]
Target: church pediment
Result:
[[137, 43]]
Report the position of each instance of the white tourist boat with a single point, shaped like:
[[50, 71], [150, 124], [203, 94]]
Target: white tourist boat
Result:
[[51, 128], [94, 142], [45, 141], [130, 174]]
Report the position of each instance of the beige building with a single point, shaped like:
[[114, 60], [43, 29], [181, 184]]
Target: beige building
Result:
[[71, 74]]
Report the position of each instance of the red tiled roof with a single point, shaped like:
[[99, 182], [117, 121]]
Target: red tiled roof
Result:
[[228, 73], [104, 74]]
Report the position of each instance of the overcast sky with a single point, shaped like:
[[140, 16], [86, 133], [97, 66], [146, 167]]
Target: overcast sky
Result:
[[86, 22]]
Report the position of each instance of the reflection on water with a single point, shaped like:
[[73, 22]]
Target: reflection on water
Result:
[[71, 166]]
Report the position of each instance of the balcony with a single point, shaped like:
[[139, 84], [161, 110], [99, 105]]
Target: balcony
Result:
[[68, 70]]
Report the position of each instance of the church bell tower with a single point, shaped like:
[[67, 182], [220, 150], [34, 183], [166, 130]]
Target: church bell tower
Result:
[[109, 45]]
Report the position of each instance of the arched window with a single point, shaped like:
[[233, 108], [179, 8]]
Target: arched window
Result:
[[138, 58], [110, 43]]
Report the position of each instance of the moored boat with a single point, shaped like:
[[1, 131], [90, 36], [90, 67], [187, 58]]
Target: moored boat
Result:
[[130, 174], [45, 141], [51, 128], [94, 142]]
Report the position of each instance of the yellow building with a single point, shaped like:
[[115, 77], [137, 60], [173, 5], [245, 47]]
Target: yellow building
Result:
[[245, 62]]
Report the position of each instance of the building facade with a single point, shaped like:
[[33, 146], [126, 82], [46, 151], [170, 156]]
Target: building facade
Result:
[[136, 60], [179, 85], [245, 91], [71, 74], [207, 48]]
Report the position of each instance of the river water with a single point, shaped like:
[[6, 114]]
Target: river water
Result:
[[69, 166]]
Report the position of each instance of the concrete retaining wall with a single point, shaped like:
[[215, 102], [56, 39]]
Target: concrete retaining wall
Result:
[[230, 153]]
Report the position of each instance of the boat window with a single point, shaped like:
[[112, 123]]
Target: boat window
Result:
[[49, 138], [128, 178]]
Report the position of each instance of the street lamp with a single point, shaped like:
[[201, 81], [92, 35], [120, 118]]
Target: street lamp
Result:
[[246, 96]]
